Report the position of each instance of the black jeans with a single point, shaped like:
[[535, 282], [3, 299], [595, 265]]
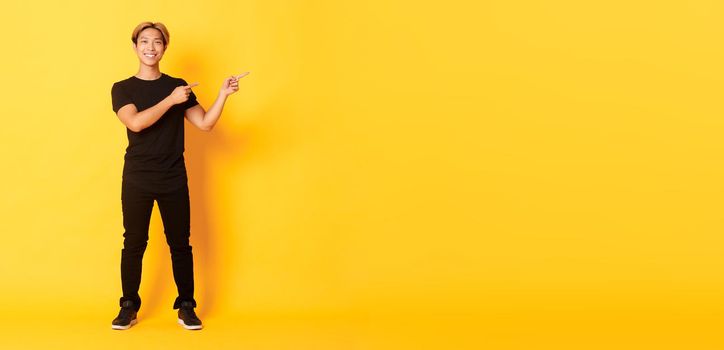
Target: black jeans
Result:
[[137, 203]]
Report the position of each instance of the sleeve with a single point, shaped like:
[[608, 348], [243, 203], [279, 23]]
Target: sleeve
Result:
[[119, 97], [192, 98]]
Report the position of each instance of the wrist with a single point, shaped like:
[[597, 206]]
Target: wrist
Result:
[[169, 102]]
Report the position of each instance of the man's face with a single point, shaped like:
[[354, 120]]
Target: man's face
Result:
[[149, 46]]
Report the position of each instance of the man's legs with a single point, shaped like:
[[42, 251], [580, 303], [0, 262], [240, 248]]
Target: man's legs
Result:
[[137, 207], [175, 213]]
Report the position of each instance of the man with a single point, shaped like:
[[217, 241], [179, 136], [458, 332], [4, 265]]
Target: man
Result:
[[152, 106]]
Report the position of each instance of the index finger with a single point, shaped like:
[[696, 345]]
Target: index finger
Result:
[[241, 75], [191, 85]]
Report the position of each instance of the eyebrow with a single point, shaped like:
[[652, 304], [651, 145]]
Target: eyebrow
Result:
[[145, 37]]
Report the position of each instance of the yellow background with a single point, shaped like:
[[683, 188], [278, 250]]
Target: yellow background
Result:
[[392, 174]]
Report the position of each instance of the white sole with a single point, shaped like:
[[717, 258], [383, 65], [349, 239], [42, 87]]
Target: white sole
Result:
[[124, 327], [181, 322]]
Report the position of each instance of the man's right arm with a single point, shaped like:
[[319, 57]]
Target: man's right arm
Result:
[[137, 121]]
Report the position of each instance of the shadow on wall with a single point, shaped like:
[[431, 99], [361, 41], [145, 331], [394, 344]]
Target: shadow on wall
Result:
[[206, 238], [258, 141]]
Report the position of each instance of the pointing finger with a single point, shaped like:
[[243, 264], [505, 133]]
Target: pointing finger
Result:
[[191, 85], [241, 75]]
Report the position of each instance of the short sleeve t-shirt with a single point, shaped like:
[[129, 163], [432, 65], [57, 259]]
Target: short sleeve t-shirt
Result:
[[154, 156]]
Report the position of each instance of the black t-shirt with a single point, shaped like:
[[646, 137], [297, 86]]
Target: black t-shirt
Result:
[[154, 156]]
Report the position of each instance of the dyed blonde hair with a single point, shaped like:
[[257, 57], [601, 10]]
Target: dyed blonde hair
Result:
[[145, 25]]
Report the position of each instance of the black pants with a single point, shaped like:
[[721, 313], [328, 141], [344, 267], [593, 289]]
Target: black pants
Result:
[[137, 203]]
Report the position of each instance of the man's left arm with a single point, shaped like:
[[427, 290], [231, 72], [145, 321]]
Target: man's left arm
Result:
[[206, 120]]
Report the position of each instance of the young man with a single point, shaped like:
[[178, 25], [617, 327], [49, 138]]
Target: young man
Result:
[[152, 105]]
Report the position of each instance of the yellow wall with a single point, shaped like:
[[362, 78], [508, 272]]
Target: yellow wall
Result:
[[521, 174]]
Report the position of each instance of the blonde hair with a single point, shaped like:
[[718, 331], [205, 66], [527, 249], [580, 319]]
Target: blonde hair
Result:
[[145, 25]]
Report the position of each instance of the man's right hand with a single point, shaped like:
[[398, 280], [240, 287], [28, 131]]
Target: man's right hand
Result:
[[181, 93]]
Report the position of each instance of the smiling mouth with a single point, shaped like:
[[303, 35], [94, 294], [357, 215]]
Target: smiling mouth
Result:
[[151, 55]]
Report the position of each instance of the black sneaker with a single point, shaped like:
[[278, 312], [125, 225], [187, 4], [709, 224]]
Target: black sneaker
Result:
[[126, 317], [187, 316]]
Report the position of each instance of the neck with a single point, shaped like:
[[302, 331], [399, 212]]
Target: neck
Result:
[[148, 72]]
